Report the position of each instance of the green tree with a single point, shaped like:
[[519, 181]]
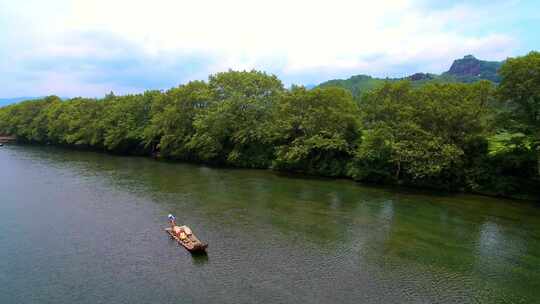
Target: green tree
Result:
[[431, 133], [171, 126], [76, 122], [124, 121], [520, 92], [314, 131], [242, 84], [231, 131], [27, 120]]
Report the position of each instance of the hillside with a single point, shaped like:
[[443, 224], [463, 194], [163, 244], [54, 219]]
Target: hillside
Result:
[[468, 69], [356, 84]]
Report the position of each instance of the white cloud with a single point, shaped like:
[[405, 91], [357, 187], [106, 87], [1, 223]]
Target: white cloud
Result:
[[300, 40]]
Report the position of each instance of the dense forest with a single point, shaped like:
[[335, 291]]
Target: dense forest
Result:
[[480, 137]]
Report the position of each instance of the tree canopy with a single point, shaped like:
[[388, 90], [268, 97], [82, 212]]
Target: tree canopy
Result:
[[455, 136], [520, 93]]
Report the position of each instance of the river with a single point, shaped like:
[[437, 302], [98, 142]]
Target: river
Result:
[[85, 227]]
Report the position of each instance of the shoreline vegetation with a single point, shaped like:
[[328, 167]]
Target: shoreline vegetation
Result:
[[461, 137]]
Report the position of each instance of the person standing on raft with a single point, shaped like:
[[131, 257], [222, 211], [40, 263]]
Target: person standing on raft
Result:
[[172, 220]]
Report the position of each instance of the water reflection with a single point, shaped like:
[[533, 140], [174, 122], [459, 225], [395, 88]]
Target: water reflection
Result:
[[199, 259], [489, 240]]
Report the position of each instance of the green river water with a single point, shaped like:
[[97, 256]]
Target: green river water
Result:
[[84, 227]]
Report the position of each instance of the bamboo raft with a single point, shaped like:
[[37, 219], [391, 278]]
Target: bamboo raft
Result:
[[191, 242]]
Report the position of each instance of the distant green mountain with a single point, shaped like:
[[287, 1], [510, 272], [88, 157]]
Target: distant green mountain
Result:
[[7, 101], [356, 84], [468, 69]]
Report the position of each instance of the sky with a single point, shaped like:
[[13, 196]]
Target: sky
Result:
[[91, 47]]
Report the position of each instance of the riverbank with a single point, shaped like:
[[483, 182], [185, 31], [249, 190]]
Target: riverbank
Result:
[[437, 136], [532, 195]]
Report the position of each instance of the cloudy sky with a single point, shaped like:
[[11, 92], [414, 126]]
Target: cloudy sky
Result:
[[90, 47]]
